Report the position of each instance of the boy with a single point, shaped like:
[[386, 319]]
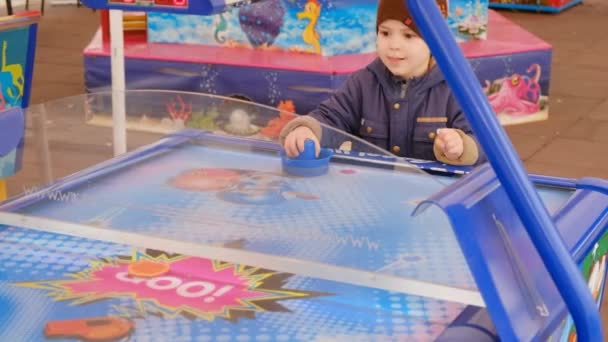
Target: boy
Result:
[[400, 102]]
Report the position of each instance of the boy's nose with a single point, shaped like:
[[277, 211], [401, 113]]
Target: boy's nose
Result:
[[394, 44]]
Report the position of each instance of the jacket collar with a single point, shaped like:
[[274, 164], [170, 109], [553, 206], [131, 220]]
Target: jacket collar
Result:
[[389, 81]]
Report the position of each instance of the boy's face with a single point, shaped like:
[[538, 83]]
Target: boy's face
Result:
[[403, 52]]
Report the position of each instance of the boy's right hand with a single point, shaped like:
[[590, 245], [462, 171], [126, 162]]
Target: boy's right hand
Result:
[[294, 142]]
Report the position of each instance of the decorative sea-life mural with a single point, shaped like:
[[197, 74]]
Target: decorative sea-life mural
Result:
[[310, 35], [518, 97], [262, 22], [468, 19], [16, 54], [516, 94], [179, 111], [12, 78], [275, 125], [322, 27]]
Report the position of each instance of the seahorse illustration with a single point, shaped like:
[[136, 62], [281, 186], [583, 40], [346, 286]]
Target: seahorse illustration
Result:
[[221, 26], [16, 72], [312, 12]]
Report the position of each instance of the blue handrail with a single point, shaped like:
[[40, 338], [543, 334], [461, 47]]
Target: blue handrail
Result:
[[509, 169]]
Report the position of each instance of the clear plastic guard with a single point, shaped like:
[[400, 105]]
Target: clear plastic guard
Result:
[[222, 194]]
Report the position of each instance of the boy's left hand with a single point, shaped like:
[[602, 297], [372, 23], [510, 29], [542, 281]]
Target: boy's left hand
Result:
[[449, 142]]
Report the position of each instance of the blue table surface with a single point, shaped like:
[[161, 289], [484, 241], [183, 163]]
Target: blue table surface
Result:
[[355, 216]]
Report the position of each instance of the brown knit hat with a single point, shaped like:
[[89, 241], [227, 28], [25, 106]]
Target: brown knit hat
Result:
[[396, 9]]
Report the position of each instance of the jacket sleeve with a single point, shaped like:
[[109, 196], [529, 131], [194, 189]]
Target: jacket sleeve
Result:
[[472, 154], [342, 111]]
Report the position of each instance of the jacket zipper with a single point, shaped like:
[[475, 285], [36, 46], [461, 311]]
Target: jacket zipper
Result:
[[410, 129]]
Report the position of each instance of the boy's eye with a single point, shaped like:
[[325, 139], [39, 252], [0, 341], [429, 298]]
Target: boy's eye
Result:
[[384, 33], [410, 35]]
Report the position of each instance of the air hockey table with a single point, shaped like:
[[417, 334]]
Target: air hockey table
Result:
[[201, 235]]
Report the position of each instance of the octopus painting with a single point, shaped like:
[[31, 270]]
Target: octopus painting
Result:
[[517, 94]]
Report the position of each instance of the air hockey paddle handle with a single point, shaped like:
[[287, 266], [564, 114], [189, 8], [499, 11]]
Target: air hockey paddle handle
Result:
[[307, 164], [309, 152]]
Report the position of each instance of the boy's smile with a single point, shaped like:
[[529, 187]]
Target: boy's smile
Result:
[[395, 60]]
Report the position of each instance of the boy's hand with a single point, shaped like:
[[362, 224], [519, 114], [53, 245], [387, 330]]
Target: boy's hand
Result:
[[449, 142], [294, 142]]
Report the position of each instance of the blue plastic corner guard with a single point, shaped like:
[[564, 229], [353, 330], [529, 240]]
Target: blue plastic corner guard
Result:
[[508, 168], [584, 217], [520, 296]]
